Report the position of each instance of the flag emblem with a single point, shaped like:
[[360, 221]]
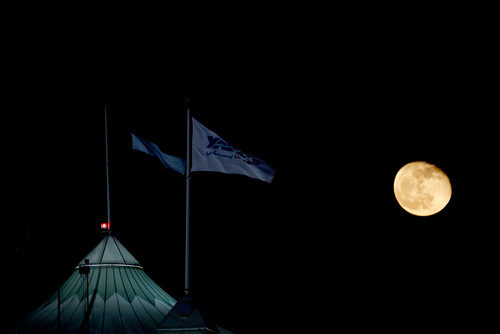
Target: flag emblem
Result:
[[217, 146], [212, 153]]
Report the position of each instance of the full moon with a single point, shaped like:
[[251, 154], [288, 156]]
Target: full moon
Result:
[[421, 188]]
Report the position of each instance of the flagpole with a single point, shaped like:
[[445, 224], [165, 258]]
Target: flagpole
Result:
[[188, 197], [107, 164], [59, 311]]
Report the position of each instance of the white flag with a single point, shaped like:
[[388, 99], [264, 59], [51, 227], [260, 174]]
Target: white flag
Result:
[[214, 154], [169, 161]]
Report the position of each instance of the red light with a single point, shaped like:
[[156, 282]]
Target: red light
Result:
[[104, 226]]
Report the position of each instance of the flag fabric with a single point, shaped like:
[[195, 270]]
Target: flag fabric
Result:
[[211, 153], [169, 161]]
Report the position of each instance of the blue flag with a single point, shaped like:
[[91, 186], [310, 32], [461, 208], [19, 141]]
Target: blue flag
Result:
[[212, 153], [169, 161]]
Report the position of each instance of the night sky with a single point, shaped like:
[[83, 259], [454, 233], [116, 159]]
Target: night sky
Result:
[[335, 109]]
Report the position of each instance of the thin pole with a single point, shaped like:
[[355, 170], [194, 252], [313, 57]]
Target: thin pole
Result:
[[87, 313], [107, 163], [59, 311], [188, 198]]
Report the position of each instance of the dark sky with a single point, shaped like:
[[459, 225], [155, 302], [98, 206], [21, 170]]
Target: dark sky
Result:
[[336, 109]]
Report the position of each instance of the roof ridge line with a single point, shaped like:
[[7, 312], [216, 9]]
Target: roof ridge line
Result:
[[104, 248], [119, 250]]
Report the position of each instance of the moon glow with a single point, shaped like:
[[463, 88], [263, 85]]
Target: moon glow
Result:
[[421, 188]]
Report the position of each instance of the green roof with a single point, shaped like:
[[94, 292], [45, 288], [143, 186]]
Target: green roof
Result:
[[110, 251], [122, 298]]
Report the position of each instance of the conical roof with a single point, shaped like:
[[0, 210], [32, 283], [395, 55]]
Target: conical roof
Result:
[[121, 297], [110, 251]]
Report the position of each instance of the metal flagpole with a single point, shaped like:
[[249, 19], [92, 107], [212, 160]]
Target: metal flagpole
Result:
[[59, 311], [107, 163], [87, 308], [188, 197]]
